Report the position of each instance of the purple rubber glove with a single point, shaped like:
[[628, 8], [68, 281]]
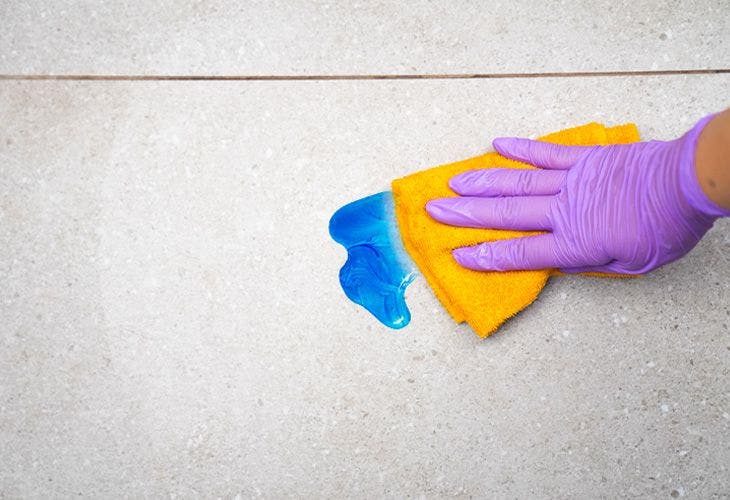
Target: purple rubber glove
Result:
[[615, 209]]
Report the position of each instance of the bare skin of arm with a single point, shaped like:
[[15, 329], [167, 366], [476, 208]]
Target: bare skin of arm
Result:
[[712, 159]]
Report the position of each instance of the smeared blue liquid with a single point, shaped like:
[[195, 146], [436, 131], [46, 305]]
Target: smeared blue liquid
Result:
[[378, 269]]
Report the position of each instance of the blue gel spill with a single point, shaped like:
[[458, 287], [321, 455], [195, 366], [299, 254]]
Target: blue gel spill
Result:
[[378, 269]]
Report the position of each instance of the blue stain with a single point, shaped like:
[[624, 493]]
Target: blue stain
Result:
[[378, 269]]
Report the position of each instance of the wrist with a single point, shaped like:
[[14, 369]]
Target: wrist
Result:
[[688, 180]]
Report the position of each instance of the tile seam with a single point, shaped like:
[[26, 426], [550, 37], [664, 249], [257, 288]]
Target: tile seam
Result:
[[364, 77]]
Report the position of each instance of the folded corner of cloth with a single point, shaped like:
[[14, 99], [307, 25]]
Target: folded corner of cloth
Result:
[[485, 300]]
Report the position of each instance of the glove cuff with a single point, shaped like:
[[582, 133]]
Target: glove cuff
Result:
[[689, 183]]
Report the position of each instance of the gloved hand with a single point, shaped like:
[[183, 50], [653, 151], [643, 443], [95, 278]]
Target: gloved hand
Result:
[[616, 209]]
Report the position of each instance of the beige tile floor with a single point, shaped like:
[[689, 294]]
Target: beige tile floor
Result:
[[171, 324], [325, 37]]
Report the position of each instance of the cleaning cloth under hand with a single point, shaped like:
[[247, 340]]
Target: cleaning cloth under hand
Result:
[[485, 300]]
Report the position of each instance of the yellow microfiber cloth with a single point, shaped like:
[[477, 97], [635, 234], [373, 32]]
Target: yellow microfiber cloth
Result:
[[485, 300]]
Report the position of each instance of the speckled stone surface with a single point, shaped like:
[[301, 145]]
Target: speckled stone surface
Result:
[[171, 324], [325, 37]]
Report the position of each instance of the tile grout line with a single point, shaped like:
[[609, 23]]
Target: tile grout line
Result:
[[435, 76]]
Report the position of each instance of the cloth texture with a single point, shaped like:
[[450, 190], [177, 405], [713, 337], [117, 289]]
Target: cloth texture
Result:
[[485, 300]]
